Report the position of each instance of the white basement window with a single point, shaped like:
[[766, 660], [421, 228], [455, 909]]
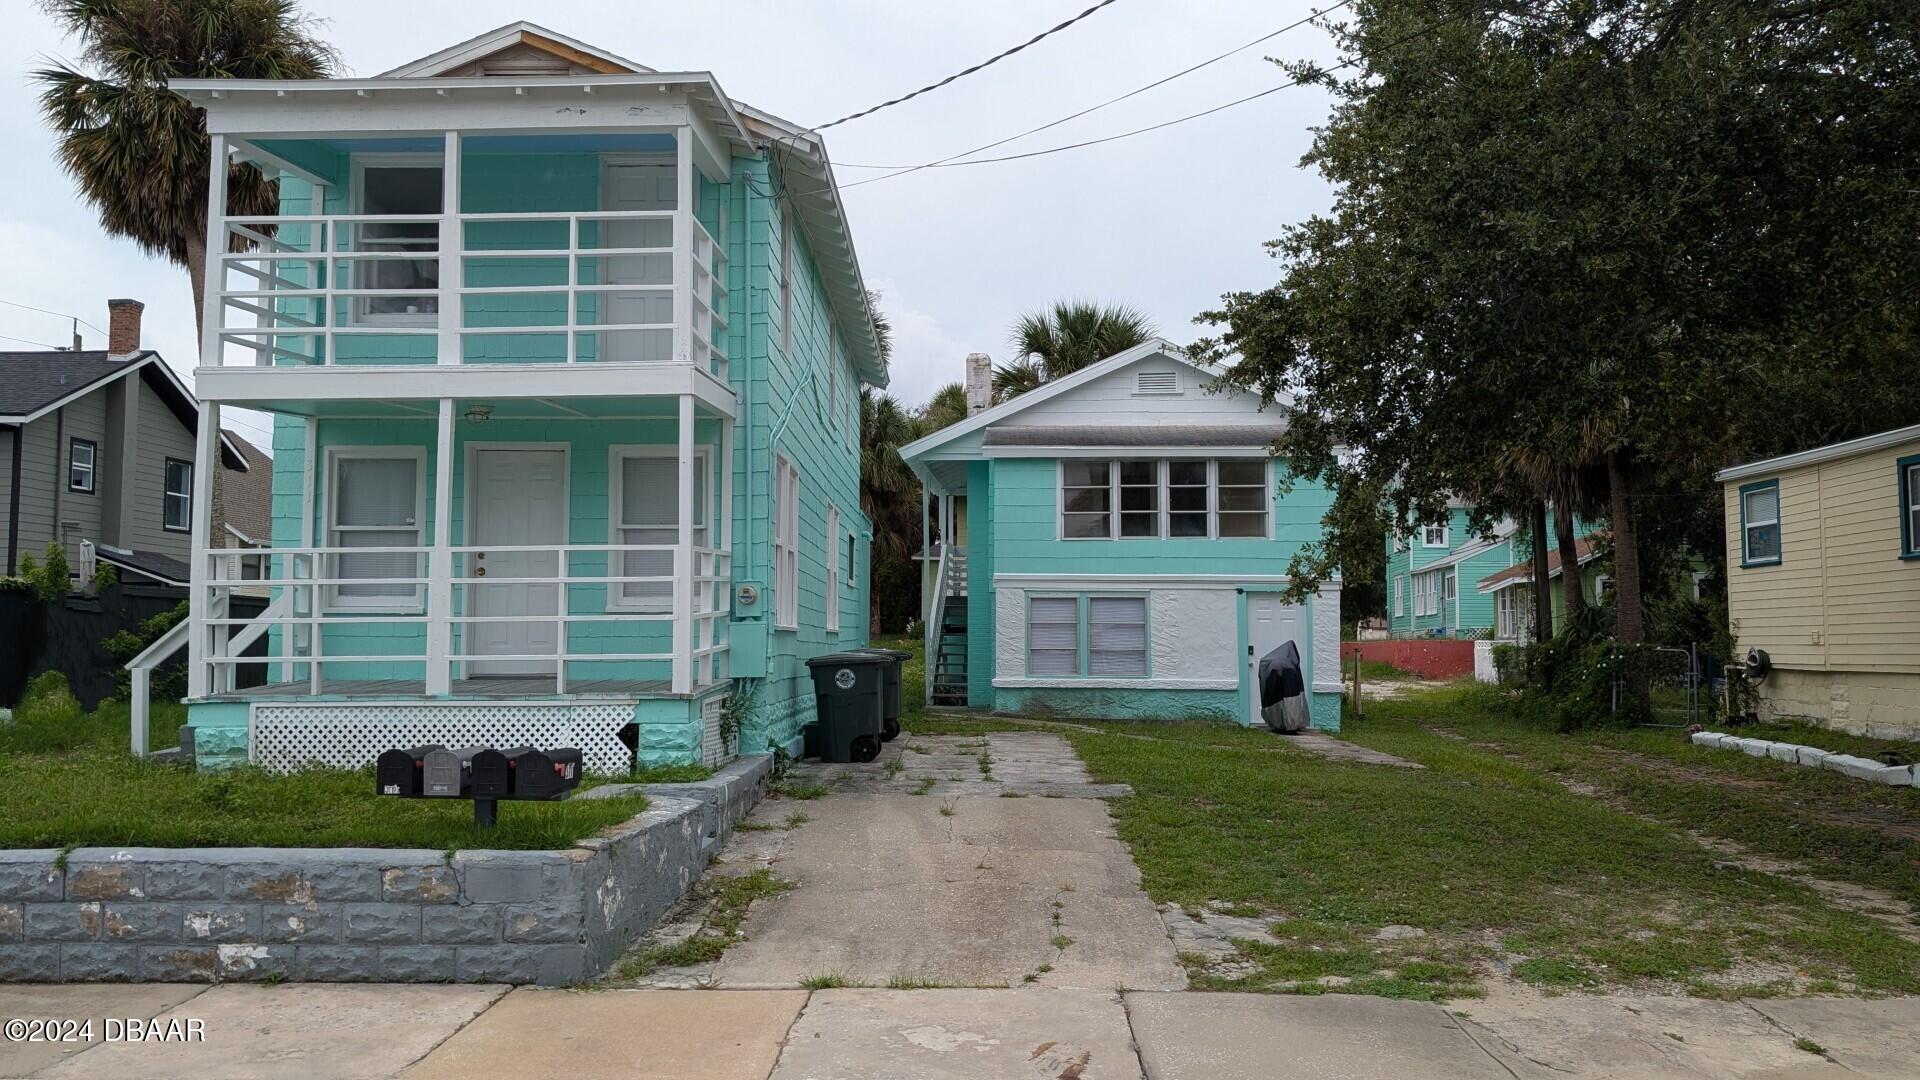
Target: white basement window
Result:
[[1053, 635], [1116, 635]]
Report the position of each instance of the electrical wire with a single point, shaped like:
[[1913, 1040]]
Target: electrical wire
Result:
[[989, 62], [25, 341], [1135, 92], [58, 314]]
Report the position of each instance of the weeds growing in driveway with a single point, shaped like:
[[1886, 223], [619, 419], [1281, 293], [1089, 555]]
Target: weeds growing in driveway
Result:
[[728, 898], [1495, 858]]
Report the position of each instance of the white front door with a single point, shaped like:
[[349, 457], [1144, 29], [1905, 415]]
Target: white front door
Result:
[[519, 499], [1269, 623], [640, 186]]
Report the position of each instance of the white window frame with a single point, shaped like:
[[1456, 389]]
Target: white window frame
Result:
[[616, 517], [1450, 595], [1699, 578], [1506, 615], [74, 443], [1601, 583], [1079, 639], [1748, 524], [1910, 499], [356, 203], [786, 545], [1146, 637], [1426, 536], [168, 495], [832, 558], [333, 601], [1163, 498], [1399, 596]]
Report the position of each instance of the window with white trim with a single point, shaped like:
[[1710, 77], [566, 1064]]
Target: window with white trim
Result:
[[1153, 498], [1450, 582], [1506, 621], [176, 496], [828, 556], [1910, 507], [397, 184], [1433, 536], [1602, 585], [1053, 635], [1426, 595], [1760, 523], [786, 546], [377, 499], [1116, 635], [1399, 596], [80, 456], [644, 509]]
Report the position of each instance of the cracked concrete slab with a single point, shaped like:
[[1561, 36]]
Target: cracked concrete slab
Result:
[[624, 1034], [1330, 1037], [1871, 1038], [960, 1035]]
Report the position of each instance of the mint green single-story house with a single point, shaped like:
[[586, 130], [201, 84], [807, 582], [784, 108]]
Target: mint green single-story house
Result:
[[564, 357], [1116, 544]]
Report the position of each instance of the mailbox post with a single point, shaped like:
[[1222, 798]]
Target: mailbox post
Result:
[[479, 773]]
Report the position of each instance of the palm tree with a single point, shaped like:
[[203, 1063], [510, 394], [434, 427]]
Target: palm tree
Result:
[[1052, 344], [947, 407], [138, 151]]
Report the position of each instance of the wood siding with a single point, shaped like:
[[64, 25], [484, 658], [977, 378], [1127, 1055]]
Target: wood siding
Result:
[[1841, 598], [160, 436]]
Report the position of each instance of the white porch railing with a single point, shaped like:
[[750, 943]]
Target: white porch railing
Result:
[[936, 602], [140, 672], [375, 602], [633, 286]]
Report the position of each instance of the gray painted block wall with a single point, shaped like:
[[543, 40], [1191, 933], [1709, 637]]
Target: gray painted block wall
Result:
[[365, 914]]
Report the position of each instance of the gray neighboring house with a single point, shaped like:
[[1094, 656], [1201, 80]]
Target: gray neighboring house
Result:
[[96, 451]]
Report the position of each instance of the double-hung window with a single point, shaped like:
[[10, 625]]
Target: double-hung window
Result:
[[398, 184], [1157, 499], [1450, 582], [830, 558], [1092, 636], [1910, 507], [646, 512], [176, 496], [786, 546], [1760, 523], [377, 501], [1506, 615], [80, 457], [1399, 596], [1433, 536]]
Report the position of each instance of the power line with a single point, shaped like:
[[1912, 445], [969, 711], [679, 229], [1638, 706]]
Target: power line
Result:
[[1135, 92], [56, 314], [989, 62], [24, 341]]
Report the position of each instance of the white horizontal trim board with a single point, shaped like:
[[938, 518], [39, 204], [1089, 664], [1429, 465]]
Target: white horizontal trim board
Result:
[[1864, 445], [1029, 683], [1065, 582], [1128, 452]]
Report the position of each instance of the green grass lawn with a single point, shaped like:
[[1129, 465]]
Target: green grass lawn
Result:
[[67, 780], [1502, 866]]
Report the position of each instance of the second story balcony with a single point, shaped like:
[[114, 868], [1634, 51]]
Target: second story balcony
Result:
[[466, 249]]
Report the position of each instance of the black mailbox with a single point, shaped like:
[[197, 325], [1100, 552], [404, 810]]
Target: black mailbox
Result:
[[446, 773], [550, 774], [490, 773], [402, 772]]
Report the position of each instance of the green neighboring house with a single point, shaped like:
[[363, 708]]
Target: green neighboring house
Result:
[[1115, 544], [564, 355], [1444, 581]]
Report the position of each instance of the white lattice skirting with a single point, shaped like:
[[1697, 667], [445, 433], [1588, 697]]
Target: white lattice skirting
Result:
[[290, 737]]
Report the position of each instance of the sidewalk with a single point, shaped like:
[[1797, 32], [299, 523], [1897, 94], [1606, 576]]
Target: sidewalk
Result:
[[336, 1031]]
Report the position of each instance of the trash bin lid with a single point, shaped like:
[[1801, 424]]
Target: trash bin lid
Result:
[[891, 654], [846, 659]]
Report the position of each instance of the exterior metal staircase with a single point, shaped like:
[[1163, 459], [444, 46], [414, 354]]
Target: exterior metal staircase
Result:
[[947, 631]]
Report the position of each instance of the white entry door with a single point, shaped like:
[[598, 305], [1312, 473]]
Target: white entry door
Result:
[[519, 499], [640, 186], [1269, 623]]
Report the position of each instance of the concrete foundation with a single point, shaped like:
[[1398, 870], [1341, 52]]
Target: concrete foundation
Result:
[[1883, 705]]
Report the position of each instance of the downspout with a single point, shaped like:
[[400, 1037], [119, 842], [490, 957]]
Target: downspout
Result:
[[13, 502]]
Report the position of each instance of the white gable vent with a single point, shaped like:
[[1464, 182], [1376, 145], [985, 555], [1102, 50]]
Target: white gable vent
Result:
[[1156, 382]]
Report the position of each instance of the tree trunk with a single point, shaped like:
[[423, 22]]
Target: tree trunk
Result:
[[1542, 598], [1570, 590], [197, 276], [1630, 621]]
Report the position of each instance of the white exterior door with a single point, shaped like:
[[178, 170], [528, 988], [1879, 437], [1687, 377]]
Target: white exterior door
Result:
[[640, 186], [519, 499], [1269, 623]]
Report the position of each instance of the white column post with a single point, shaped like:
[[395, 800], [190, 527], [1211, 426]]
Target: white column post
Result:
[[683, 556], [200, 598], [926, 560], [683, 247], [141, 705], [723, 592], [440, 561], [211, 313], [452, 240]]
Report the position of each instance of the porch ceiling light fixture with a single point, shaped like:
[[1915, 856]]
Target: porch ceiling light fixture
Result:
[[479, 414]]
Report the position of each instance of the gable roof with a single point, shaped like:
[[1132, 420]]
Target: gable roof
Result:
[[1584, 551], [246, 493], [1833, 452], [164, 569], [1155, 347], [33, 384], [501, 39]]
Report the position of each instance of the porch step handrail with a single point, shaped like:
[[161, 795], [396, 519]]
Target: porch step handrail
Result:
[[140, 669]]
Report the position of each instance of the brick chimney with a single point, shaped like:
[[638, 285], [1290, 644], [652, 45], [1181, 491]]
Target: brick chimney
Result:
[[979, 382], [123, 327]]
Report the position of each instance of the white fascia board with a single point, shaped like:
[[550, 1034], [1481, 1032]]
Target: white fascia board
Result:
[[484, 45], [1150, 581], [1025, 682], [1864, 445], [1123, 451], [1154, 347], [426, 382], [83, 390]]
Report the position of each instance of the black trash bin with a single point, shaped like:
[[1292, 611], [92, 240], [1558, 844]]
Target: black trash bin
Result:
[[890, 710], [849, 693]]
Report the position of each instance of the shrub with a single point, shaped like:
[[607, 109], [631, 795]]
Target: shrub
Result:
[[169, 680]]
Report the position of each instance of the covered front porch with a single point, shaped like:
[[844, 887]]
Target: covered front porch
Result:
[[479, 548]]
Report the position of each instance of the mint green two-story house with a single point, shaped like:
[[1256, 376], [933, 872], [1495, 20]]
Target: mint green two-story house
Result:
[[564, 355], [1115, 544]]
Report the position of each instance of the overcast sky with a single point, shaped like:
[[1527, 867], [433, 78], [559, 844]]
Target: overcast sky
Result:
[[1165, 221]]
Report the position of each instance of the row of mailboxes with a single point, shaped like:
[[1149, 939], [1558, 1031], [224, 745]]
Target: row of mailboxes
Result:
[[478, 772]]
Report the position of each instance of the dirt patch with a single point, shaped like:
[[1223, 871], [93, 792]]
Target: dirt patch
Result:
[[1889, 823]]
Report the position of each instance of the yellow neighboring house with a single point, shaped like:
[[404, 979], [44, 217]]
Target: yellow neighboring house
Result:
[[1823, 575]]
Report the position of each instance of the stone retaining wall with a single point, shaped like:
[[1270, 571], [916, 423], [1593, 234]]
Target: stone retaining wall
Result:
[[365, 914]]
